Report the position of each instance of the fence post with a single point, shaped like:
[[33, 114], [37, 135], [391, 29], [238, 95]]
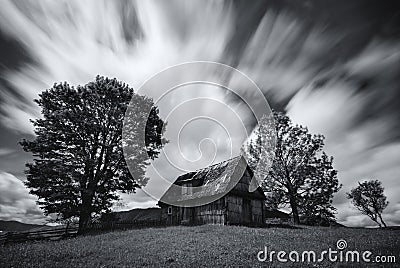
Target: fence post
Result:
[[7, 237], [66, 230]]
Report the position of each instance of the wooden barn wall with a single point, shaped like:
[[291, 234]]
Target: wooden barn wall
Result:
[[171, 219], [257, 211], [213, 213], [227, 210], [234, 209]]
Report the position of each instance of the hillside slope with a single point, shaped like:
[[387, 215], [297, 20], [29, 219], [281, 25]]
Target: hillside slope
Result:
[[14, 226], [199, 246]]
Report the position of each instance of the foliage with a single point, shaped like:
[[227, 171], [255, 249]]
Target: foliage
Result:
[[302, 175], [79, 166], [368, 197]]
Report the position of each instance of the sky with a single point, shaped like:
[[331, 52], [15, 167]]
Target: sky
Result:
[[332, 66]]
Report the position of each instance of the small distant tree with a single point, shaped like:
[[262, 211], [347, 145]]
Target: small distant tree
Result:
[[369, 198], [79, 165], [301, 174]]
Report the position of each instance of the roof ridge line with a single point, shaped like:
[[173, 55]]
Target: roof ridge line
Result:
[[230, 159]]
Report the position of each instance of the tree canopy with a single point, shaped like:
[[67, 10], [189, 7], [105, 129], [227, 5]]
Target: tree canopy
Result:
[[301, 175], [369, 198], [79, 165]]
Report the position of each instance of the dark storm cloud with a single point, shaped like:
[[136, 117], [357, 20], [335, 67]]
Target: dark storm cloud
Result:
[[12, 57], [12, 54], [352, 25], [356, 23]]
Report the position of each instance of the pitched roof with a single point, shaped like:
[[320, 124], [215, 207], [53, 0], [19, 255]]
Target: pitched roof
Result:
[[215, 180]]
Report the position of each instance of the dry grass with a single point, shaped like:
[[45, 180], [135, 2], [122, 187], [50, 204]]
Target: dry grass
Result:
[[194, 247]]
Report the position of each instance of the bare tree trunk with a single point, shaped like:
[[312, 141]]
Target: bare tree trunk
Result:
[[66, 229], [380, 217], [295, 212], [292, 200], [84, 220], [85, 214], [376, 220]]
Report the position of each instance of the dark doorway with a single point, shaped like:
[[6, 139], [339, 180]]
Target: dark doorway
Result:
[[246, 211], [187, 215]]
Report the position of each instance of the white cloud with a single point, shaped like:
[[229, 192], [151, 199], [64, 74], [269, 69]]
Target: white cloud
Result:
[[282, 56], [74, 41], [376, 57], [16, 203], [359, 149], [5, 151], [69, 42]]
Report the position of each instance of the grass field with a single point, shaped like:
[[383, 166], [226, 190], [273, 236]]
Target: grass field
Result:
[[199, 246]]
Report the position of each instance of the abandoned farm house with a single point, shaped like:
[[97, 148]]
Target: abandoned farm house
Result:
[[218, 194]]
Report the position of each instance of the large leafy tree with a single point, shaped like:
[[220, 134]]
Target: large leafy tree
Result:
[[369, 198], [301, 176], [79, 165]]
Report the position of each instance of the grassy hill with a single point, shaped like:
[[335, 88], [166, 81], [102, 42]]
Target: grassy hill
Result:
[[200, 246], [139, 214], [15, 226]]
